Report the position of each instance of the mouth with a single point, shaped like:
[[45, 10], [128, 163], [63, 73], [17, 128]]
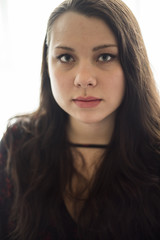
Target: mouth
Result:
[[87, 102]]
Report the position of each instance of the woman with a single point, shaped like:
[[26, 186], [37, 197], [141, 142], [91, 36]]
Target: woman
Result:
[[86, 164]]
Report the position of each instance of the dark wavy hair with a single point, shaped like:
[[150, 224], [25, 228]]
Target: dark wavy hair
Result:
[[124, 199]]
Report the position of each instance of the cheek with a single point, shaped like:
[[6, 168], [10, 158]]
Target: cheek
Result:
[[116, 86], [54, 81], [57, 88], [59, 84], [119, 84]]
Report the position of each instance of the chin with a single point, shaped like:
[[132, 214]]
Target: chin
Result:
[[95, 119], [89, 120]]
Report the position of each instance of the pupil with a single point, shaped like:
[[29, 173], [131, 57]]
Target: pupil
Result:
[[67, 57]]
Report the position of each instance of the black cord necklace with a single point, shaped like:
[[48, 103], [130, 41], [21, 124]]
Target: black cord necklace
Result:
[[87, 145]]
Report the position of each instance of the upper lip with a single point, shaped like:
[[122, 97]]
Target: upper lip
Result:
[[86, 99]]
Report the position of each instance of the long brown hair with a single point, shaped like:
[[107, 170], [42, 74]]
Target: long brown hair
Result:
[[125, 193]]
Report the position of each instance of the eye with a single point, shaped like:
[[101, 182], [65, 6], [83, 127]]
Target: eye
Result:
[[65, 58], [105, 57]]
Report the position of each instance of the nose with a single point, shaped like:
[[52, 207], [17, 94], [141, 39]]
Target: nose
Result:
[[85, 78]]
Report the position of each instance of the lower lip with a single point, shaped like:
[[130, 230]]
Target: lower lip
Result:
[[87, 104]]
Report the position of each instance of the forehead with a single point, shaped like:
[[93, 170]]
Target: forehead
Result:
[[75, 27]]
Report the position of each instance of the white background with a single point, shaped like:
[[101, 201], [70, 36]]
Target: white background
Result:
[[22, 30]]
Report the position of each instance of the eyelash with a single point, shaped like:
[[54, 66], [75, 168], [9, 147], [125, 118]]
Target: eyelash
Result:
[[64, 55], [112, 56], [107, 55]]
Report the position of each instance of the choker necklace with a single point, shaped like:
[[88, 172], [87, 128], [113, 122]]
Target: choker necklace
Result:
[[87, 145]]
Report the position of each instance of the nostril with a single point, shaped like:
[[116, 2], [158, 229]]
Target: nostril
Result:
[[84, 83]]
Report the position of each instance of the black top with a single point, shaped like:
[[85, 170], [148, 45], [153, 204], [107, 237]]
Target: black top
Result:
[[6, 199], [70, 228]]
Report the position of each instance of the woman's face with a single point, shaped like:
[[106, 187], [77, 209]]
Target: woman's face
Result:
[[86, 76]]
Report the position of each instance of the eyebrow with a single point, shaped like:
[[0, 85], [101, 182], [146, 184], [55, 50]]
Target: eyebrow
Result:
[[104, 46], [94, 49], [66, 48]]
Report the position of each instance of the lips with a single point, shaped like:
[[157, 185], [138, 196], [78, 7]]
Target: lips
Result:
[[87, 102]]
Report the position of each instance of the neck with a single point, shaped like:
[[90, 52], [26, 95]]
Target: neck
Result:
[[90, 133]]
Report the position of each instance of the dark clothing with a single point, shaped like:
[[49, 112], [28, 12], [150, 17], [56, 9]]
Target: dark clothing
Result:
[[137, 230], [6, 199]]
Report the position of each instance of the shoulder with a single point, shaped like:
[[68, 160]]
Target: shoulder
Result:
[[16, 134], [5, 183], [9, 142], [6, 188], [11, 153]]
